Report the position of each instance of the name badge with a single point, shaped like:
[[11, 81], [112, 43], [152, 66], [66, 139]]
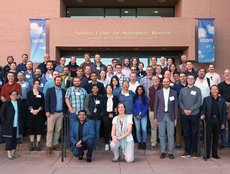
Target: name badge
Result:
[[171, 84], [193, 92], [27, 76], [126, 94], [98, 68], [0, 82], [41, 85], [171, 98], [160, 76], [97, 102], [24, 85], [38, 96], [90, 81], [95, 110], [77, 93]]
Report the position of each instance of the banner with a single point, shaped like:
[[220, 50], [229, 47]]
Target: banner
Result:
[[37, 40], [206, 45]]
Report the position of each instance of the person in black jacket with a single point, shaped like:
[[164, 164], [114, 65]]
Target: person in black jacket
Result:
[[214, 112], [110, 105], [94, 108], [11, 119]]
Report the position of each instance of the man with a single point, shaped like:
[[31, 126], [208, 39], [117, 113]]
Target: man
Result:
[[224, 90], [98, 65], [212, 75], [81, 137], [153, 63], [29, 74], [152, 93], [183, 67], [75, 98], [6, 68], [22, 66], [87, 71], [114, 62], [60, 67], [51, 82], [134, 70], [166, 111], [9, 86], [163, 64], [89, 85], [159, 72], [214, 112], [80, 74], [147, 80], [141, 73], [73, 66], [126, 68], [42, 65], [169, 63], [66, 78], [87, 61], [38, 75], [190, 69], [49, 71], [122, 78], [190, 100], [203, 83], [133, 83], [54, 108]]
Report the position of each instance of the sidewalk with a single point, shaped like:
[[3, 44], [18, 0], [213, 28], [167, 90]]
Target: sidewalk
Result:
[[146, 162]]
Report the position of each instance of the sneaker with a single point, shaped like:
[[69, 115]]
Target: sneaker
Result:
[[194, 155], [152, 148], [185, 155], [163, 156], [106, 147], [171, 156]]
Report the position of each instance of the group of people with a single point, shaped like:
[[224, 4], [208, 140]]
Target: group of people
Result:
[[115, 102]]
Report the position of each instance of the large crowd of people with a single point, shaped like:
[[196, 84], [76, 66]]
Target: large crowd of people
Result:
[[116, 102]]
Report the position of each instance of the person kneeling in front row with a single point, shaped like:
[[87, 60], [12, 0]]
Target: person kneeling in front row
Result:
[[81, 136], [122, 138]]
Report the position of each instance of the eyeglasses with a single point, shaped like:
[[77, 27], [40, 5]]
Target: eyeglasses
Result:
[[133, 69]]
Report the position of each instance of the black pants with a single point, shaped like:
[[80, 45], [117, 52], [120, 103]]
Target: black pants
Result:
[[79, 151], [190, 125], [11, 142], [213, 132], [107, 123], [24, 117]]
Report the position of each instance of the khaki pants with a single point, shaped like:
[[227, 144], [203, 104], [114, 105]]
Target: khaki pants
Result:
[[153, 129], [178, 138], [54, 125]]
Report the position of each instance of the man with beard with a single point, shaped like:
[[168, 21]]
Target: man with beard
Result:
[[73, 66], [98, 65], [126, 68], [38, 75], [6, 68], [22, 66], [29, 74], [54, 108]]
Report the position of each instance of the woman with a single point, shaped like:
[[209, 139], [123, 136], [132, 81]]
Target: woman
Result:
[[115, 85], [102, 78], [111, 102], [214, 112], [141, 105], [172, 69], [134, 62], [11, 120], [122, 138], [94, 108], [35, 103], [109, 73]]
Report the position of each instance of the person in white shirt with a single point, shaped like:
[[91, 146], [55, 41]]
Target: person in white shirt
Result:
[[212, 75], [133, 84]]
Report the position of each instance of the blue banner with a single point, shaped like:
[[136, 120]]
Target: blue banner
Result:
[[206, 45], [37, 40]]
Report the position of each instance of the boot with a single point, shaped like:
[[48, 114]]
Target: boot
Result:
[[38, 148], [32, 146], [144, 146]]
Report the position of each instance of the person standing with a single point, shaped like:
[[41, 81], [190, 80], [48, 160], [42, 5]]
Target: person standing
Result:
[[122, 138], [190, 101], [214, 112], [35, 104], [54, 108], [166, 113], [22, 66], [141, 106], [212, 75], [147, 80], [98, 65], [73, 66], [11, 120]]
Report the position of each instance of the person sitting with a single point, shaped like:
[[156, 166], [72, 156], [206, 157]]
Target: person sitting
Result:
[[81, 136]]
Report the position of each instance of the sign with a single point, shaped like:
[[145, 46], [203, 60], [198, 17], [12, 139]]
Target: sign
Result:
[[206, 45], [37, 40]]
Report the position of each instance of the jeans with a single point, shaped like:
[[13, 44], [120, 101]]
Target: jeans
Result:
[[141, 129], [224, 134], [79, 151], [96, 126]]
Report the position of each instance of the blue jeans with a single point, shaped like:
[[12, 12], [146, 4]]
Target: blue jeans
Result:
[[141, 129], [72, 118], [96, 126], [224, 140]]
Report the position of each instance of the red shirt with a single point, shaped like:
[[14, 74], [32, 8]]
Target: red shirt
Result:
[[6, 88]]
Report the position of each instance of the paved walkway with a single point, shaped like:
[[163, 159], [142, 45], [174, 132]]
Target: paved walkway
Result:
[[146, 162]]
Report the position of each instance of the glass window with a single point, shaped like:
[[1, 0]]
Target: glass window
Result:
[[155, 12], [128, 12], [85, 12], [112, 12]]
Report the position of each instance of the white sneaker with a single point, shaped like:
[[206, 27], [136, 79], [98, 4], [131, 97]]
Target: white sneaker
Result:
[[106, 147]]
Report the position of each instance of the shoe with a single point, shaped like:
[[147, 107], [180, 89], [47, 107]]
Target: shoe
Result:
[[57, 148], [208, 157], [97, 148], [171, 156], [9, 155], [216, 157], [139, 146], [32, 146], [106, 147], [144, 146], [88, 160], [163, 156], [38, 148], [116, 160], [152, 148], [185, 155], [80, 158], [49, 151], [194, 155], [178, 146]]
